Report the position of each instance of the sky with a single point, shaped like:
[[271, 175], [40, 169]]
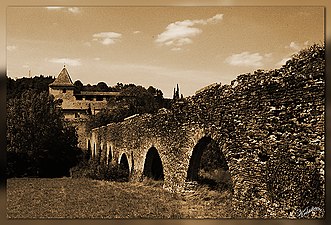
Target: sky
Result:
[[157, 46]]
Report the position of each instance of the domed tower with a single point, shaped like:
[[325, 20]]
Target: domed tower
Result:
[[63, 88]]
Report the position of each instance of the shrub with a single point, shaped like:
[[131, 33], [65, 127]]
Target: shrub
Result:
[[99, 171]]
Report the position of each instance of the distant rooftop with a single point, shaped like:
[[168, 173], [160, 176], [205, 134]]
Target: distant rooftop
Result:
[[63, 79]]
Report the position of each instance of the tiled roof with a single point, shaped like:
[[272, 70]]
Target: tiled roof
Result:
[[63, 79]]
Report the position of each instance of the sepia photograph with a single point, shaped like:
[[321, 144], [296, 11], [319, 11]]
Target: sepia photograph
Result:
[[165, 112]]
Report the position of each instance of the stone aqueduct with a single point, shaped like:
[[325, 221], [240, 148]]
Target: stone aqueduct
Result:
[[136, 137], [268, 125]]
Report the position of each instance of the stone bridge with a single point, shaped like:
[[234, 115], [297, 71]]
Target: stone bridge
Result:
[[267, 126]]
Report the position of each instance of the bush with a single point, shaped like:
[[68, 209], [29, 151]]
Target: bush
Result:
[[39, 142], [99, 171]]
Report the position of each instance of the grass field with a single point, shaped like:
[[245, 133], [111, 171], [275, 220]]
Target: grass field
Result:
[[85, 198]]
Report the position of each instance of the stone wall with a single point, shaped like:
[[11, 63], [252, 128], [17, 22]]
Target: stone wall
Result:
[[269, 126], [82, 135], [70, 102]]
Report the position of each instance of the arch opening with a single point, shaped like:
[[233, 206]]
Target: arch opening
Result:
[[99, 152], [124, 169], [89, 152], [109, 155], [208, 166], [94, 150], [153, 167]]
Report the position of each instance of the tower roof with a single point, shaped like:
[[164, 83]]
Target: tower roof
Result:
[[63, 79]]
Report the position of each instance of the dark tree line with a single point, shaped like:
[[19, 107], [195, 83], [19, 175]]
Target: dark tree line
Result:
[[103, 87], [133, 100], [39, 143], [37, 83]]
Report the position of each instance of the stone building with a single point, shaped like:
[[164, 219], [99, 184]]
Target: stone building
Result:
[[77, 104]]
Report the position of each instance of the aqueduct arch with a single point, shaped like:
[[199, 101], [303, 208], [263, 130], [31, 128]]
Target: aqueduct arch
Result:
[[94, 149], [153, 166], [109, 155], [194, 164], [208, 164], [89, 149], [124, 165]]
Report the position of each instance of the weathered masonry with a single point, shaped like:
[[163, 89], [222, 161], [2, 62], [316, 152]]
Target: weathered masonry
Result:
[[269, 127]]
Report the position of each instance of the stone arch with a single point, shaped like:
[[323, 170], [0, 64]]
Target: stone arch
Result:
[[124, 166], [109, 155], [207, 163], [101, 151], [93, 144], [132, 164], [98, 151], [88, 145], [89, 150], [94, 150], [153, 167]]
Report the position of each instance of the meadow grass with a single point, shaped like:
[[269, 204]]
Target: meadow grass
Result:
[[40, 198]]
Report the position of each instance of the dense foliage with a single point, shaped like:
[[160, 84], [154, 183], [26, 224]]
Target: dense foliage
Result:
[[134, 100], [39, 143], [103, 87], [37, 83], [94, 169]]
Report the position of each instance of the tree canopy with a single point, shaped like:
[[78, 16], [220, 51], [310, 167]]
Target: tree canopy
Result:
[[39, 143], [133, 100], [37, 83]]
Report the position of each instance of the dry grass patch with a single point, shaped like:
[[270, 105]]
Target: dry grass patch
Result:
[[84, 198]]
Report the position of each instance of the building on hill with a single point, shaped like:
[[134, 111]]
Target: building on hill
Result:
[[78, 104]]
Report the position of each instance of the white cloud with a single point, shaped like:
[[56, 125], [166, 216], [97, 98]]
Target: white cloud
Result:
[[97, 59], [11, 48], [66, 61], [180, 33], [54, 7], [215, 18], [283, 61], [74, 10], [294, 46], [106, 38], [245, 59], [25, 66], [137, 32]]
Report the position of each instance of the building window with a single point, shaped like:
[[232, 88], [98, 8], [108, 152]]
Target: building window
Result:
[[64, 91]]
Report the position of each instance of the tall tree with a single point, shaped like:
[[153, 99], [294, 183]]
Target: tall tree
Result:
[[102, 86], [38, 137], [78, 86], [37, 83]]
